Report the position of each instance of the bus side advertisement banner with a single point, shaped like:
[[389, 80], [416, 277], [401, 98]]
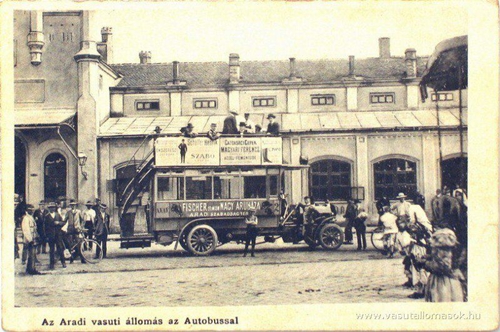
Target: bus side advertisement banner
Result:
[[213, 208], [201, 151]]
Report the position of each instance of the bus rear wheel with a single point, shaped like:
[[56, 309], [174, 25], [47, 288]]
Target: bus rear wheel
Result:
[[202, 240]]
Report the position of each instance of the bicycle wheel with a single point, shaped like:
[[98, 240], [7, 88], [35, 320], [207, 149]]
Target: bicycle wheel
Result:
[[377, 239], [89, 251]]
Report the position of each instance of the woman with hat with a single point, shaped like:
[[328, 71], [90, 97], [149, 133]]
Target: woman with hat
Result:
[[446, 282], [273, 127], [252, 231]]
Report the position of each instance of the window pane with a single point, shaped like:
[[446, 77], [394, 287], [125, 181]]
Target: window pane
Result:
[[273, 185], [271, 102], [389, 99], [314, 101], [227, 187], [255, 102], [199, 187], [170, 188], [255, 187]]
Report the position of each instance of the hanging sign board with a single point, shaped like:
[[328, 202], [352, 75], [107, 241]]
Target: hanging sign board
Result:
[[225, 151]]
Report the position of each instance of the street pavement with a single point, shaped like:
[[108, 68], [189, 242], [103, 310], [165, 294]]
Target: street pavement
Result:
[[161, 276]]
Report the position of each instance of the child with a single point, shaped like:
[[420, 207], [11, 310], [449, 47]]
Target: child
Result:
[[212, 133], [445, 280], [359, 225]]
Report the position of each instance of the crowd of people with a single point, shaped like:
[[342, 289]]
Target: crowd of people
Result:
[[234, 125], [58, 226]]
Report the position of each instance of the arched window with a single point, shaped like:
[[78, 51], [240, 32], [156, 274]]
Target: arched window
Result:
[[454, 173], [393, 176], [55, 171], [330, 179]]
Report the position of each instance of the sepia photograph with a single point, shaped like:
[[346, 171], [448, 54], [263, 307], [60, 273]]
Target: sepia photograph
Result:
[[257, 161]]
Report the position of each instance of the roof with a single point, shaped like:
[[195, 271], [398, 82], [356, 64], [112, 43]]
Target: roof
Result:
[[216, 74], [298, 122], [42, 118]]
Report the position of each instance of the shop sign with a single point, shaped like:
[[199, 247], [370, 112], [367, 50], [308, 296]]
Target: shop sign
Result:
[[201, 151]]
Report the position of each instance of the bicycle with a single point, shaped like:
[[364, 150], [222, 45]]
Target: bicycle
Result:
[[377, 239], [88, 248]]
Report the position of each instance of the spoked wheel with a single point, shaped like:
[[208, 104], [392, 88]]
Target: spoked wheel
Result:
[[202, 240], [89, 251], [378, 239], [330, 236]]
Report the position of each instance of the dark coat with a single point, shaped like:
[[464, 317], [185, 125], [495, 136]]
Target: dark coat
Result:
[[39, 216], [101, 228], [380, 205], [351, 212], [230, 127], [53, 226], [273, 128]]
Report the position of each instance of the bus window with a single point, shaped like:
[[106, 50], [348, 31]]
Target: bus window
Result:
[[227, 187], [199, 187], [255, 187], [170, 188], [273, 185]]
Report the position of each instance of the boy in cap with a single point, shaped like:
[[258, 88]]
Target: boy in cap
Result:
[[212, 132], [252, 231], [39, 217], [28, 226]]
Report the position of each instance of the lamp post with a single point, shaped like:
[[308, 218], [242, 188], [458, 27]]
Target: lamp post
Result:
[[82, 160]]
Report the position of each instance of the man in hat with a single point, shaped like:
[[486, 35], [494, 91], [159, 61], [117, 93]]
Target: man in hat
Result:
[[189, 132], [54, 234], [39, 217], [212, 132], [230, 127], [252, 231], [28, 226], [273, 127], [183, 150], [249, 125], [74, 220], [88, 217], [96, 205], [102, 230], [351, 213], [401, 208]]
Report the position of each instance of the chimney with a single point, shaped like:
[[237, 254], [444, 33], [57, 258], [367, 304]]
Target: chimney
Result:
[[234, 68], [384, 45], [411, 63], [293, 73], [145, 57], [175, 72], [105, 47], [351, 65]]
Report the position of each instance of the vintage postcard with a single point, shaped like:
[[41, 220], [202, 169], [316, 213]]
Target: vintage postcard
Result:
[[239, 165]]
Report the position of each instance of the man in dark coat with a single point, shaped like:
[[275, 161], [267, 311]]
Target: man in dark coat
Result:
[[230, 125], [273, 127], [102, 230], [39, 216], [54, 235], [350, 214]]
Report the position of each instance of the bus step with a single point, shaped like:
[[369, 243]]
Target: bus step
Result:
[[136, 243]]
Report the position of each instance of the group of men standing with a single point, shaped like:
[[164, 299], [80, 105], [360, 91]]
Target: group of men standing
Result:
[[57, 226]]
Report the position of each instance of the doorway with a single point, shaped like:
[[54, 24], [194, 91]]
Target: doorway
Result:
[[20, 167], [55, 176], [454, 173]]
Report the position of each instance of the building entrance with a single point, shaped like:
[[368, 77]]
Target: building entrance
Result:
[[20, 167], [454, 173], [55, 176]]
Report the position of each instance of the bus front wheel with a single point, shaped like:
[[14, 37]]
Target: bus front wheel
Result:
[[202, 240]]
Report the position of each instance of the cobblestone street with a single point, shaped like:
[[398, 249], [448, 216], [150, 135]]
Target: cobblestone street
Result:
[[158, 276]]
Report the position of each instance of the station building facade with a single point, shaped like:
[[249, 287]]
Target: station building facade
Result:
[[361, 123]]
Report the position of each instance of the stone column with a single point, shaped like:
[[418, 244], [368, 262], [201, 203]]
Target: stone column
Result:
[[430, 167], [296, 191], [362, 167]]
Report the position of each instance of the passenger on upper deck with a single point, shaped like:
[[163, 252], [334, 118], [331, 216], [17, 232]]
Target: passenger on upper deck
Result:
[[273, 128], [243, 129], [212, 133], [188, 131], [230, 127], [249, 125]]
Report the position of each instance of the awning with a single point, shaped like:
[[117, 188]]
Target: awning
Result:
[[292, 123], [447, 67], [43, 119]]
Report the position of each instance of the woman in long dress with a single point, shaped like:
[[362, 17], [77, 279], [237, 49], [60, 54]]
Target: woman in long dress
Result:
[[445, 280]]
